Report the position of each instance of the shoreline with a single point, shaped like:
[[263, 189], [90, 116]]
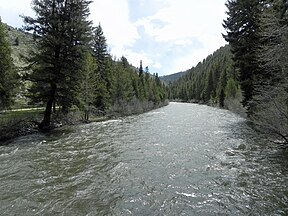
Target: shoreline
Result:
[[25, 127]]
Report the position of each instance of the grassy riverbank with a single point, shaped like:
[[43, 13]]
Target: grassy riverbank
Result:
[[22, 122]]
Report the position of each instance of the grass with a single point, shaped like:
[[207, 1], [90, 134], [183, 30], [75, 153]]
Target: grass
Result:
[[9, 116]]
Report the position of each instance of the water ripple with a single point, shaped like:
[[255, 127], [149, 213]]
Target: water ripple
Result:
[[184, 159]]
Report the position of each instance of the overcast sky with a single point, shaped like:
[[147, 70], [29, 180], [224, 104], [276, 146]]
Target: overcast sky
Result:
[[167, 35]]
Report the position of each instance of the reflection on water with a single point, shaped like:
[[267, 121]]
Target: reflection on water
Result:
[[183, 159]]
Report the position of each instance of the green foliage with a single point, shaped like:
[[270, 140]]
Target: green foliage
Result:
[[206, 82], [63, 33], [242, 26], [132, 93], [123, 89], [8, 74], [88, 85], [231, 88], [172, 77], [68, 66], [99, 50], [141, 69], [25, 46], [17, 41], [257, 34]]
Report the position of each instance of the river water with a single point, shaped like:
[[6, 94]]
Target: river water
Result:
[[183, 159]]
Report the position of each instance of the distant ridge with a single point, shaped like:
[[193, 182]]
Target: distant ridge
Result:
[[173, 77]]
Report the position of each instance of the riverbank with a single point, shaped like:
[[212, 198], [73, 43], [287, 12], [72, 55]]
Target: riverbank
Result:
[[26, 122]]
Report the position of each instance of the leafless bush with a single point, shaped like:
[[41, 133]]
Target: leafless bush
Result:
[[134, 106], [272, 114]]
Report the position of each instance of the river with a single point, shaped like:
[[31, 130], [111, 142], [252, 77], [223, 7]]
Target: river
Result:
[[182, 159]]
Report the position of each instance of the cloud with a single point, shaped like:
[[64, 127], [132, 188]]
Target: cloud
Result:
[[190, 30], [157, 65], [167, 35], [119, 20], [11, 10], [185, 18], [144, 8], [133, 57], [114, 18]]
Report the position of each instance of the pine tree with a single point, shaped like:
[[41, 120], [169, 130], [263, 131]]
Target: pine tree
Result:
[[63, 30], [208, 86], [8, 75], [99, 47], [123, 91], [141, 69], [242, 26], [88, 83], [16, 41], [207, 80], [142, 87], [100, 53]]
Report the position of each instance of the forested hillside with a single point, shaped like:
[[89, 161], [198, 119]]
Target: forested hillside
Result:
[[21, 43], [172, 77], [213, 81], [60, 61], [252, 69]]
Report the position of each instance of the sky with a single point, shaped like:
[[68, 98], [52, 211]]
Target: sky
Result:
[[169, 36]]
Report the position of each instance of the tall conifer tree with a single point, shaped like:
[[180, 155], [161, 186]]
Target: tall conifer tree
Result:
[[100, 53], [88, 83], [99, 47], [63, 30], [242, 26]]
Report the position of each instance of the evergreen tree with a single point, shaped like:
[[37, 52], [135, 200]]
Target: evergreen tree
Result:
[[123, 90], [88, 83], [221, 87], [231, 88], [242, 26], [207, 81], [63, 30], [8, 75], [142, 87], [221, 98], [141, 69], [208, 89], [99, 49], [16, 41]]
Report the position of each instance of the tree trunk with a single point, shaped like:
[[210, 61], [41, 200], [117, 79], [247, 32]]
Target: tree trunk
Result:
[[46, 123], [54, 107]]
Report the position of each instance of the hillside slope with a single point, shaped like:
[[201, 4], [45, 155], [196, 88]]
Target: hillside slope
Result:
[[172, 77], [21, 44], [213, 81]]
